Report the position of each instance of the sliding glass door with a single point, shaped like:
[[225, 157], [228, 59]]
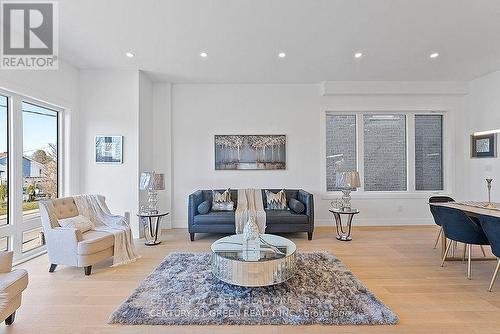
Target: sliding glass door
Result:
[[29, 171]]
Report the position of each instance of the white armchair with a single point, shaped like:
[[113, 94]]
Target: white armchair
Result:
[[12, 284], [68, 246]]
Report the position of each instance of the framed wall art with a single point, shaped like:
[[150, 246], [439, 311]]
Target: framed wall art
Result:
[[108, 149], [484, 146], [250, 152]]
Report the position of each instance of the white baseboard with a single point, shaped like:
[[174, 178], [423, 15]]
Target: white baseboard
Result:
[[356, 222], [166, 224], [379, 222]]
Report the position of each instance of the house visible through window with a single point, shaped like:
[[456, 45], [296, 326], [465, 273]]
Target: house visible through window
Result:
[[385, 150], [429, 152], [340, 146], [40, 128]]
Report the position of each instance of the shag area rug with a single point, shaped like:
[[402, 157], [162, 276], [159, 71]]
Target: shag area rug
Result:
[[183, 291]]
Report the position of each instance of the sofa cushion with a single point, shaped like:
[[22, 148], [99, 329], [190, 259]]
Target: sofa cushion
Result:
[[14, 282], [95, 241], [296, 206], [219, 217], [285, 217], [204, 207]]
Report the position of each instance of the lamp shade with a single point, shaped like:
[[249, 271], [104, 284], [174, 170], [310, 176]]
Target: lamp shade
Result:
[[347, 180], [152, 181]]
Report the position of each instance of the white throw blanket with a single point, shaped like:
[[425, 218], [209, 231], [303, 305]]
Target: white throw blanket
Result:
[[250, 205], [94, 208]]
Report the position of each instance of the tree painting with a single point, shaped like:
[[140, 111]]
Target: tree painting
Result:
[[250, 152]]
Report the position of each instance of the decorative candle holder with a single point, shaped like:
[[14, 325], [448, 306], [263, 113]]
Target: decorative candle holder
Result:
[[489, 205]]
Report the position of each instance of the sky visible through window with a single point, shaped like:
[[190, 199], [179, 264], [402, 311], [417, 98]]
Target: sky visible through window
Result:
[[39, 128]]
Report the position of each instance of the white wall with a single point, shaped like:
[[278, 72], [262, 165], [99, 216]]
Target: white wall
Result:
[[162, 144], [483, 113], [200, 111], [109, 104], [171, 128], [146, 124]]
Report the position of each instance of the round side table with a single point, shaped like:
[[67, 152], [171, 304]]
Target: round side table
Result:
[[153, 222], [341, 234]]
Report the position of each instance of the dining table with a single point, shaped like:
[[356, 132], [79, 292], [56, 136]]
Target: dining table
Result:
[[471, 209]]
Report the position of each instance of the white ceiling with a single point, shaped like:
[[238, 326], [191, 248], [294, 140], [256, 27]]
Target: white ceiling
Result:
[[243, 38]]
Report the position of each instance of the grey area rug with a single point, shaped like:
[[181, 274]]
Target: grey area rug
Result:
[[183, 291]]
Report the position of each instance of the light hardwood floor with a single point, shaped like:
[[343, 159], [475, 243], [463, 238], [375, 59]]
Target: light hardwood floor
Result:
[[398, 264]]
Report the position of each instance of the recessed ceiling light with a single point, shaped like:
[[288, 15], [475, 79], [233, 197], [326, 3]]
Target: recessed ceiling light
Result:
[[282, 55], [203, 54], [434, 55], [358, 55], [129, 54]]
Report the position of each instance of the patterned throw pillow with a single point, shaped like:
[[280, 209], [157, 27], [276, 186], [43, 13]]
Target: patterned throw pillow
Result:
[[80, 222], [276, 201], [221, 201]]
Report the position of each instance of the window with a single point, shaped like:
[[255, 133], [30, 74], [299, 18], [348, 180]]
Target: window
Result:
[[32, 239], [31, 163], [428, 152], [4, 165], [340, 146], [384, 152], [40, 128], [4, 244], [393, 152]]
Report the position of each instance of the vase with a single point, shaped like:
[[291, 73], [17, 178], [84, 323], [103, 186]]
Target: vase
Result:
[[251, 241]]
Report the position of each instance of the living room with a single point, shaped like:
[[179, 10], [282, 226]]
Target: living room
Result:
[[263, 166]]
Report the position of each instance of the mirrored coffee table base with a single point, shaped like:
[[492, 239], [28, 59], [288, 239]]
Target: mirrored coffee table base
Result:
[[276, 263]]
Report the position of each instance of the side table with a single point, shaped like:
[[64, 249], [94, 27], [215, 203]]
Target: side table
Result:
[[341, 234], [153, 222]]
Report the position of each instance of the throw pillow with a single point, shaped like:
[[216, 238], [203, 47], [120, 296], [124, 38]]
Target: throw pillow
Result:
[[221, 201], [276, 201], [223, 206], [218, 196], [204, 207], [80, 222], [296, 206]]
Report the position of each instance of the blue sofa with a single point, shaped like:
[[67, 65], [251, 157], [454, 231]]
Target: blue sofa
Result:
[[277, 221]]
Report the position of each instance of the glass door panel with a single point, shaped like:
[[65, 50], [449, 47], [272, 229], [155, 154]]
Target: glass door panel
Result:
[[4, 165], [40, 164]]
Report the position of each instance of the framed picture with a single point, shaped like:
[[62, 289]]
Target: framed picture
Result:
[[250, 152], [108, 149], [484, 146]]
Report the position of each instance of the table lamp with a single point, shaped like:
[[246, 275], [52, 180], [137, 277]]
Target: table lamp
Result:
[[346, 182], [152, 182]]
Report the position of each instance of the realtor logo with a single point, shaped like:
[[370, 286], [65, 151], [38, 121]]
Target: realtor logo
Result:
[[29, 35]]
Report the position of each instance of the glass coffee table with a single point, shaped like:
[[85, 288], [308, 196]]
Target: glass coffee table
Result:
[[273, 263]]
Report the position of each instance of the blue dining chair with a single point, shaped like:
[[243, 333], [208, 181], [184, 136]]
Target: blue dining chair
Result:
[[438, 199], [457, 226], [491, 227]]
